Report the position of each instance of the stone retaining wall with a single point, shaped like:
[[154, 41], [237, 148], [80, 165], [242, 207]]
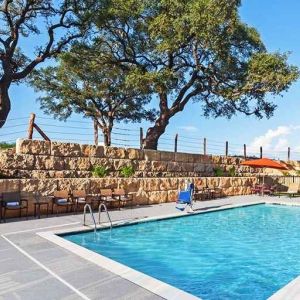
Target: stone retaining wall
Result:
[[146, 190], [42, 159]]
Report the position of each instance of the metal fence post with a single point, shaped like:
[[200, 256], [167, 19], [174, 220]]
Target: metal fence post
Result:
[[141, 138], [226, 148], [176, 141], [204, 146], [261, 152], [245, 151]]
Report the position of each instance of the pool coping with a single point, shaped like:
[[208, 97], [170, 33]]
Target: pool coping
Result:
[[147, 282]]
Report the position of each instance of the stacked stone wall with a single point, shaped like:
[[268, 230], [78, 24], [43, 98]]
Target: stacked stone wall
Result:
[[42, 159]]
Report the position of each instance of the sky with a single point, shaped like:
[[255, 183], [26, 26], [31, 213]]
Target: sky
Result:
[[278, 23]]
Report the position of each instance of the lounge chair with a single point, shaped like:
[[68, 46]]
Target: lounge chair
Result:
[[79, 198], [185, 198], [292, 191], [61, 198], [13, 201], [123, 197]]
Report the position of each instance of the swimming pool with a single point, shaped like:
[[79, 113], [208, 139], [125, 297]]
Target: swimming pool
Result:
[[242, 253]]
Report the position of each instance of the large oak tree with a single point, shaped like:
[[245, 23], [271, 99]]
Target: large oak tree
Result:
[[193, 50], [95, 90], [57, 22]]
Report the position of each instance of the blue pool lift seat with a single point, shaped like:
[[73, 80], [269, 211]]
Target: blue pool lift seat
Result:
[[185, 198]]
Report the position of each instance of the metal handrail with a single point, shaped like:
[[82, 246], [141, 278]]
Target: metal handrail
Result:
[[92, 215], [99, 214]]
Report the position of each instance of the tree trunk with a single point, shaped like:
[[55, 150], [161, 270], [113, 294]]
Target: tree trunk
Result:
[[4, 103], [153, 133], [107, 136]]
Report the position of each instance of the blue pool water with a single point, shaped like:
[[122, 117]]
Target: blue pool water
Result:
[[242, 253]]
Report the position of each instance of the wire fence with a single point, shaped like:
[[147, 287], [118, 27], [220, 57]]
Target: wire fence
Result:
[[82, 131]]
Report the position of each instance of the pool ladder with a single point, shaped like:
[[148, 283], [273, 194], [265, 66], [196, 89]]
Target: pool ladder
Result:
[[89, 208]]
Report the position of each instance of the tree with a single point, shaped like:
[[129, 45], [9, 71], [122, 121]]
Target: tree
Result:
[[61, 22], [96, 90], [194, 50]]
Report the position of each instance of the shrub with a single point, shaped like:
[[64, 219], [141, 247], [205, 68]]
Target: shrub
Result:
[[4, 145], [218, 172], [127, 171], [99, 171], [231, 172]]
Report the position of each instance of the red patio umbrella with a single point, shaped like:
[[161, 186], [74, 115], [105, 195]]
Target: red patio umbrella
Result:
[[264, 163]]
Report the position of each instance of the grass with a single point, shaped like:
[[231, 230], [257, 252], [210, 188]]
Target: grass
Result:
[[5, 145]]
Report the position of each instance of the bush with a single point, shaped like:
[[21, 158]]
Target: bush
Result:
[[99, 171], [127, 171], [4, 145], [231, 172], [218, 172]]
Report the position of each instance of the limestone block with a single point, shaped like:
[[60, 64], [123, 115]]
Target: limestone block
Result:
[[130, 184], [114, 152], [19, 161], [181, 157], [157, 197], [151, 184], [199, 167], [159, 166], [71, 184], [24, 146], [92, 150], [135, 154], [152, 155], [65, 149], [173, 167], [167, 156], [80, 163], [144, 166], [141, 197], [120, 163], [107, 163], [172, 195], [46, 162], [197, 158], [187, 167]]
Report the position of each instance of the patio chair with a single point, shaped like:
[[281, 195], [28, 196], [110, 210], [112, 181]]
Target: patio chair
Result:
[[13, 201], [256, 189], [292, 191], [106, 196], [215, 192], [61, 199], [79, 198], [200, 194], [123, 197]]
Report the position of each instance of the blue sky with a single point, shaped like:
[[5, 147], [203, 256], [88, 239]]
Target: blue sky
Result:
[[278, 23]]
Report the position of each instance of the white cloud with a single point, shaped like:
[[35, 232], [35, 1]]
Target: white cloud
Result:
[[267, 140], [189, 128], [281, 145]]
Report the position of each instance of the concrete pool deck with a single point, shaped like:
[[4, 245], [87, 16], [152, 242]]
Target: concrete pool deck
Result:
[[32, 267]]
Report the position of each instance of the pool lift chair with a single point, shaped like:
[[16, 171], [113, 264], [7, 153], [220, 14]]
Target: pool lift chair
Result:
[[185, 198]]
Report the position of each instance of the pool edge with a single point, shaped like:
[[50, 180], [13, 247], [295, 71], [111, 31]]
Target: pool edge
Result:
[[147, 282]]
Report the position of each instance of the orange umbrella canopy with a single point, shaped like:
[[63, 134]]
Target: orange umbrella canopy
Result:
[[264, 163]]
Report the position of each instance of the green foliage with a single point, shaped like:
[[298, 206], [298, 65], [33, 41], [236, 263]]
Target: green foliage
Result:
[[298, 172], [99, 171], [195, 50], [127, 171], [284, 173], [232, 172], [5, 145], [218, 172]]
